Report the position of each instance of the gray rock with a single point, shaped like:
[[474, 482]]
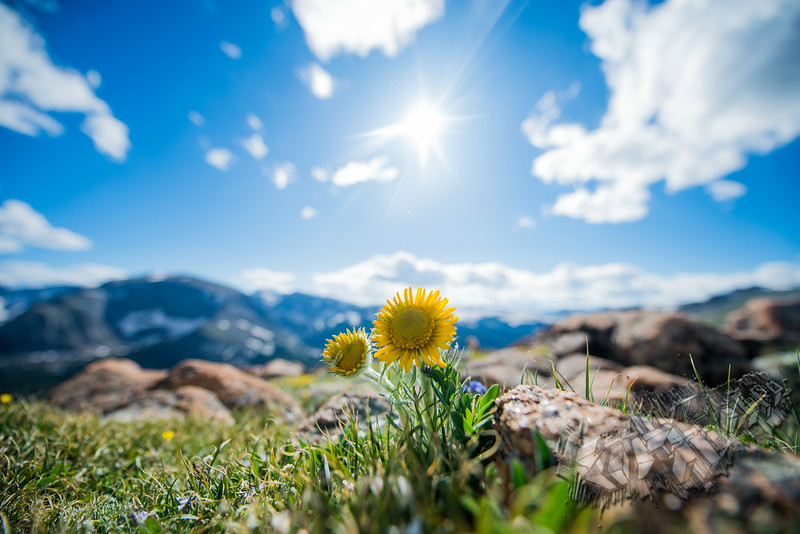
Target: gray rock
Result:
[[186, 401], [766, 324], [330, 421], [506, 367], [661, 340]]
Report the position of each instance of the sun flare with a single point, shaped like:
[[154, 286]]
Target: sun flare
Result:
[[424, 125]]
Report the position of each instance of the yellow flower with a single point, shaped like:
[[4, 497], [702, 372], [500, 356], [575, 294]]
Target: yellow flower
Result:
[[413, 329], [5, 398], [168, 435], [347, 352]]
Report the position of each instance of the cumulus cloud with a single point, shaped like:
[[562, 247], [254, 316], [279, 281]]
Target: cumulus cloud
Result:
[[696, 87], [377, 169], [32, 87], [359, 26], [723, 190], [31, 274], [21, 225], [308, 213], [196, 118], [283, 174], [256, 146], [220, 158], [278, 17], [526, 221], [319, 174], [264, 279], [481, 288], [254, 121], [94, 78], [231, 50], [318, 80]]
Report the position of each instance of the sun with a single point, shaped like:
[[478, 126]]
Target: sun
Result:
[[424, 125]]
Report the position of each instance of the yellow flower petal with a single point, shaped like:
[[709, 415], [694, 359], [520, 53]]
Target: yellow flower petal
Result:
[[413, 328]]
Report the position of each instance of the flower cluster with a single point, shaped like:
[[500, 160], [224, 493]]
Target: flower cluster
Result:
[[411, 330]]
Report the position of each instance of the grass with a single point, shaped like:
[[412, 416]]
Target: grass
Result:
[[64, 472], [431, 471]]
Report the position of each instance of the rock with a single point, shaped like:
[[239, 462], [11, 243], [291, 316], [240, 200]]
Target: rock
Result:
[[759, 494], [190, 401], [507, 366], [766, 324], [339, 411], [661, 340], [234, 387], [105, 385], [277, 368], [634, 382], [699, 481], [572, 367]]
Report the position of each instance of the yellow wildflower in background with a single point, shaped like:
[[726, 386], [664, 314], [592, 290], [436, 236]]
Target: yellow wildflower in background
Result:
[[5, 398], [414, 328], [168, 435], [346, 352]]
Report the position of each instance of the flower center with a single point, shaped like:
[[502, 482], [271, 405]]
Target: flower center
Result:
[[352, 355], [411, 327]]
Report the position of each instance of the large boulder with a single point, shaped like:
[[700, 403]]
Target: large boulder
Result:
[[698, 479], [766, 324], [661, 340], [105, 385], [190, 401], [234, 387]]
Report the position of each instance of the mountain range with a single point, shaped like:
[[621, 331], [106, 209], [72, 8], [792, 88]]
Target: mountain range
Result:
[[48, 334]]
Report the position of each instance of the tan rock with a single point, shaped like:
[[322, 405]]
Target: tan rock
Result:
[[277, 368], [105, 385], [186, 401], [234, 387]]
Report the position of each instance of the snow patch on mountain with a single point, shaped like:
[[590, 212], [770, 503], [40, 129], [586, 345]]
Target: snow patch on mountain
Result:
[[140, 321]]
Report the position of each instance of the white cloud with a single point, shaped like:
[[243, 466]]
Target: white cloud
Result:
[[358, 171], [259, 279], [723, 190], [319, 174], [254, 121], [278, 17], [318, 80], [485, 288], [220, 158], [196, 118], [696, 87], [21, 225], [31, 274], [31, 87], [283, 174], [308, 213], [231, 50], [358, 26], [256, 146], [525, 221], [94, 78]]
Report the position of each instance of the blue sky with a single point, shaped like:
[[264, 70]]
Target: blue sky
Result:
[[567, 154]]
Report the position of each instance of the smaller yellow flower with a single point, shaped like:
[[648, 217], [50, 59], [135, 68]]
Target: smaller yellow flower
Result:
[[346, 353], [168, 435], [5, 398]]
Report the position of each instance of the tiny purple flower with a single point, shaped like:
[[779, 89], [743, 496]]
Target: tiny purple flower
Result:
[[475, 387]]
